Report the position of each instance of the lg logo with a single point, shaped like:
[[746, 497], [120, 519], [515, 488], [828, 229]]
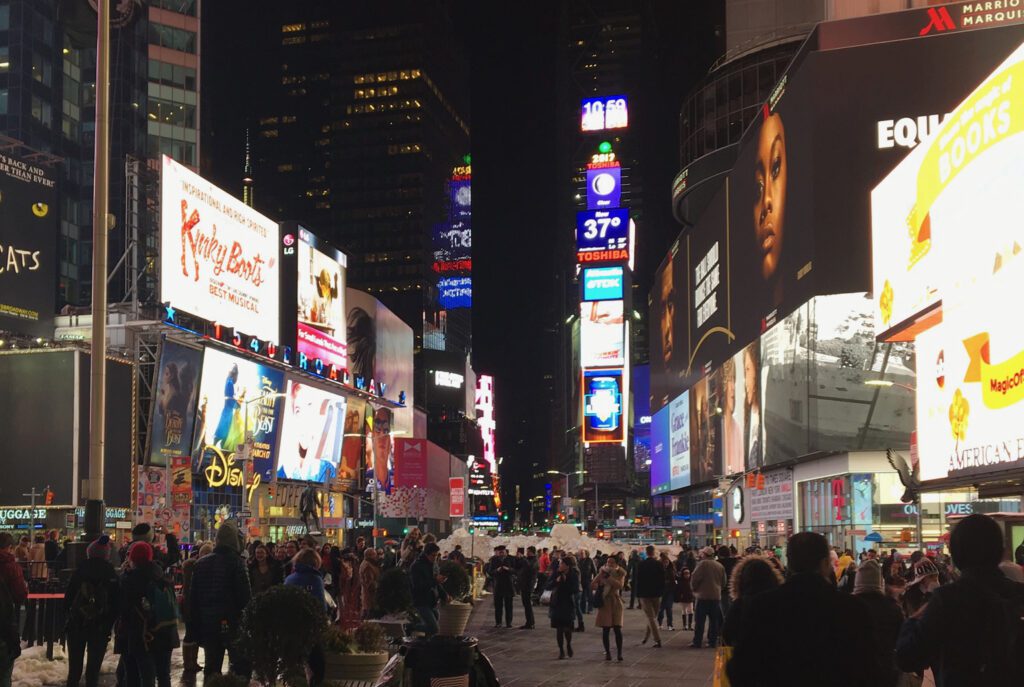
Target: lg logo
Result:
[[939, 20]]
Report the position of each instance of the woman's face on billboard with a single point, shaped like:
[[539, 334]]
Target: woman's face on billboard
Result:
[[770, 203]]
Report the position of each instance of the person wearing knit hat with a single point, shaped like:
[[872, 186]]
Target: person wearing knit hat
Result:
[[90, 606], [143, 532], [920, 587], [887, 617], [147, 630]]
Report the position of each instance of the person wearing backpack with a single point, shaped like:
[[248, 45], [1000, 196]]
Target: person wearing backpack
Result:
[[13, 592], [147, 625], [90, 606], [987, 648]]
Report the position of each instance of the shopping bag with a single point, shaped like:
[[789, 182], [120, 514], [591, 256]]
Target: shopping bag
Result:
[[722, 656], [545, 598]]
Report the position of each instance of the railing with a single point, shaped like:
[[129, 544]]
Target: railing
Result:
[[43, 616]]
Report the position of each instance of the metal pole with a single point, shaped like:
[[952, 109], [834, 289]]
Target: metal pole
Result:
[[920, 522], [567, 500], [100, 199]]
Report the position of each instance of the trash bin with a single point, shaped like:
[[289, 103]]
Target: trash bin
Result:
[[440, 661]]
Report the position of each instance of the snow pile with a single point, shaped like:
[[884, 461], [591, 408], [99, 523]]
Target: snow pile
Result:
[[565, 537], [32, 669]]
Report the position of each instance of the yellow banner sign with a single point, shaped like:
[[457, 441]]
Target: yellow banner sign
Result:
[[1002, 384]]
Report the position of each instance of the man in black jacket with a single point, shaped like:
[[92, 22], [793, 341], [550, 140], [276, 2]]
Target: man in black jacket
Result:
[[427, 591], [650, 585], [90, 605], [526, 578], [500, 568], [985, 607], [220, 592], [803, 632]]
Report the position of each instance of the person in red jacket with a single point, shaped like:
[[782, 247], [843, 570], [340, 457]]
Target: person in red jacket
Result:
[[13, 593]]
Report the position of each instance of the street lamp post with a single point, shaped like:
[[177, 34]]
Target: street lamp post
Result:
[[566, 476]]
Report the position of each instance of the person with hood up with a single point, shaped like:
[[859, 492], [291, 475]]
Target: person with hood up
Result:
[[886, 616], [987, 649], [307, 576], [147, 623], [751, 575], [220, 592], [90, 606]]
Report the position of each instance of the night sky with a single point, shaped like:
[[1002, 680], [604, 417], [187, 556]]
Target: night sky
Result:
[[516, 180]]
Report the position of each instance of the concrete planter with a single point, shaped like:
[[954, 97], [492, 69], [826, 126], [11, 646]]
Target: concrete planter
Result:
[[453, 618], [363, 667]]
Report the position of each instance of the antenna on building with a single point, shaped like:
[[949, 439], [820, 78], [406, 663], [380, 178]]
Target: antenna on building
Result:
[[247, 173]]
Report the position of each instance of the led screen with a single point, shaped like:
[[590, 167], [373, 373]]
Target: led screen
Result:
[[603, 406], [219, 257], [29, 218], [603, 283], [455, 292], [177, 385], [661, 460], [320, 315], [602, 334], [609, 112], [705, 441], [312, 432], [604, 188], [236, 394], [679, 441], [600, 231], [639, 379]]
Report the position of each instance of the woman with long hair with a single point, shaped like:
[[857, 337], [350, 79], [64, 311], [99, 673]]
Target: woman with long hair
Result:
[[609, 583], [564, 584], [751, 576], [264, 571]]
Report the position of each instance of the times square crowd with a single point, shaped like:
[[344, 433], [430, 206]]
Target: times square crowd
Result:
[[808, 615]]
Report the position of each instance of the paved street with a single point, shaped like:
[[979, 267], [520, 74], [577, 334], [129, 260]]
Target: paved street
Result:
[[529, 658]]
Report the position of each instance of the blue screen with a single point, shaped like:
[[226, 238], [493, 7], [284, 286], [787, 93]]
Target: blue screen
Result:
[[598, 230], [661, 475], [455, 292], [604, 188], [602, 283]]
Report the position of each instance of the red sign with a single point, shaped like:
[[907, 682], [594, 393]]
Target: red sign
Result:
[[457, 497], [938, 19], [410, 462]]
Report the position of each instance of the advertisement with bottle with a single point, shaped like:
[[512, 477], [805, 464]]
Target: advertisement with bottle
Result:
[[602, 406]]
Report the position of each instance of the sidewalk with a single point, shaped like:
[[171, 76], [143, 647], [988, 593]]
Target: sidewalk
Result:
[[529, 658]]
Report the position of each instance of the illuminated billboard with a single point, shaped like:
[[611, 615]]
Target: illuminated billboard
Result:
[[602, 334], [29, 219], [599, 114], [455, 292], [603, 283], [964, 178], [235, 395], [312, 433], [679, 441], [218, 257], [177, 384], [602, 235], [604, 187], [603, 406], [661, 476], [320, 313]]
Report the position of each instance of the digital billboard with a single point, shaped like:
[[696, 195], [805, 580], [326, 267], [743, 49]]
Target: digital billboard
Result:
[[602, 334], [608, 112], [679, 441], [661, 461], [603, 283], [218, 257], [461, 197], [236, 394], [29, 219], [603, 406], [705, 438], [174, 406], [602, 235], [320, 326], [312, 432], [604, 187], [455, 292], [352, 446], [965, 177], [640, 380]]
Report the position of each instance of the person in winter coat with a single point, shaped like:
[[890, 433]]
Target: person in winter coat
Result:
[[684, 597], [264, 571], [90, 606], [708, 581], [189, 647], [564, 583], [411, 548], [587, 571], [831, 629], [631, 566], [369, 578], [846, 577], [983, 605], [668, 596], [307, 575], [610, 581], [886, 615], [526, 579], [728, 560], [751, 575], [220, 592], [650, 583], [427, 591], [39, 570], [147, 622], [501, 569], [13, 593]]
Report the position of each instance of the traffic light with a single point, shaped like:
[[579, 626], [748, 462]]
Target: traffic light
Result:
[[734, 534], [49, 496], [471, 528], [405, 530]]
